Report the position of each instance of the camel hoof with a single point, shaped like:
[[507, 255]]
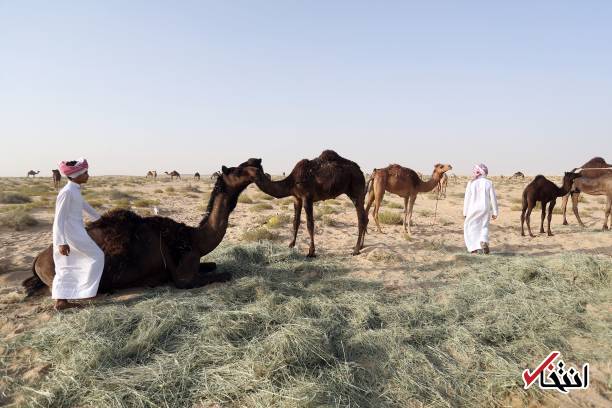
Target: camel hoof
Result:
[[311, 255], [565, 223], [292, 245]]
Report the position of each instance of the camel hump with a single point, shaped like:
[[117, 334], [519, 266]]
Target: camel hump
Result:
[[596, 162], [330, 155], [539, 177]]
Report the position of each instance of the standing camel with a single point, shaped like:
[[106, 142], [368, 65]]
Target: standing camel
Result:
[[57, 177], [173, 174], [405, 183], [323, 178], [152, 174], [151, 251], [441, 187], [32, 173], [601, 185], [196, 176], [545, 191], [594, 168]]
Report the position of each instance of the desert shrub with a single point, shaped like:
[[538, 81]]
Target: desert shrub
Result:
[[118, 195], [259, 234], [390, 218], [425, 212], [329, 221], [14, 198], [144, 202], [245, 199], [396, 205], [170, 189], [191, 189], [18, 219], [261, 207], [158, 191], [278, 220]]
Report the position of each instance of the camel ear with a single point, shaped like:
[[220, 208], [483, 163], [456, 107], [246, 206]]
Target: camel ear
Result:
[[225, 170]]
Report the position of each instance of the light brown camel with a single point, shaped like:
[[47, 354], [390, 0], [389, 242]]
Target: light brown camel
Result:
[[32, 173], [601, 185], [57, 177], [405, 183], [323, 178], [594, 168], [196, 176], [441, 187], [173, 174], [152, 174], [545, 191], [151, 251]]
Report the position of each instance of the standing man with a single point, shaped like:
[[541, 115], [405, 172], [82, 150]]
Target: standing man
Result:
[[479, 207]]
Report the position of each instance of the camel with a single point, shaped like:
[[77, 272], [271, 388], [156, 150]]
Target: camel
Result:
[[57, 177], [32, 173], [151, 251], [601, 185], [152, 174], [196, 176], [322, 178], [173, 174], [404, 182], [546, 192], [518, 175], [593, 169], [441, 187]]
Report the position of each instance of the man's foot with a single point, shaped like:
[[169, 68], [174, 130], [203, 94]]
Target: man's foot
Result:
[[63, 304]]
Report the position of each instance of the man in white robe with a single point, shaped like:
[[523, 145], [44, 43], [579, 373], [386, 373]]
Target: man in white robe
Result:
[[479, 207], [78, 259]]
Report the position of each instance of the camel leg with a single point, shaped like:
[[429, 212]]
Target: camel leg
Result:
[[543, 217], [379, 193], [410, 207], [206, 267], [575, 197], [528, 219], [551, 206], [187, 274], [310, 225], [608, 210], [361, 220], [405, 212], [564, 207], [297, 218], [370, 201]]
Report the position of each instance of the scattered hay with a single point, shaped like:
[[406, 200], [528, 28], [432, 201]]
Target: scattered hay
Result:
[[295, 332], [380, 255]]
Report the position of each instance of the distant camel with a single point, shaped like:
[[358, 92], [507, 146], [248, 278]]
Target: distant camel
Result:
[[405, 183], [57, 177], [518, 174], [593, 169], [173, 174], [323, 178], [32, 173], [196, 176], [441, 187], [152, 173], [545, 191]]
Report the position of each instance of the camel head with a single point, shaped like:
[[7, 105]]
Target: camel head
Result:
[[568, 181], [243, 175], [440, 169]]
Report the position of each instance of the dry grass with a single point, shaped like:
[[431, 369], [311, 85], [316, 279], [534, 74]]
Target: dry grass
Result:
[[295, 332], [245, 199], [18, 219], [14, 198], [257, 234], [390, 218], [261, 207], [279, 220]]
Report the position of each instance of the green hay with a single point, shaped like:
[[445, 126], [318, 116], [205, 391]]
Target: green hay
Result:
[[294, 332]]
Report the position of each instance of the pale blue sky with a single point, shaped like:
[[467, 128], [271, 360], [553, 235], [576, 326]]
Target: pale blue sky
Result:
[[192, 85]]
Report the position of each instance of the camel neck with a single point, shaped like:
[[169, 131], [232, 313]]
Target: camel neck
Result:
[[430, 184], [277, 189]]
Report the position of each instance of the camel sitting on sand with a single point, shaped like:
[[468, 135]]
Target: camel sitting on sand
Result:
[[405, 183], [173, 174], [323, 178], [57, 178], [151, 251], [545, 191], [32, 173], [152, 174], [588, 184]]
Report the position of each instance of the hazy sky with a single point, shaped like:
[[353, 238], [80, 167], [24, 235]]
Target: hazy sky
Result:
[[192, 85]]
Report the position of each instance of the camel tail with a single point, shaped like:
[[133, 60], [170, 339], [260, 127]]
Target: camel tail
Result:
[[33, 284]]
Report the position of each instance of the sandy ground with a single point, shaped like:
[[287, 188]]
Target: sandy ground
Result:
[[393, 258]]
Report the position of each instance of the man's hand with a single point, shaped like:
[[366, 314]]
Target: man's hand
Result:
[[64, 250]]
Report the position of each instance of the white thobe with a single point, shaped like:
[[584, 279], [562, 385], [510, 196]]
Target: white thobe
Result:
[[77, 275], [479, 204]]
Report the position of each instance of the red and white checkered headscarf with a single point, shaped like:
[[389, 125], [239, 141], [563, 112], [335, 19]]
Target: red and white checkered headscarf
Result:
[[76, 170], [479, 171]]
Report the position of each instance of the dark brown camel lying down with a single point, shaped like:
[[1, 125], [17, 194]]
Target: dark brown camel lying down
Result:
[[151, 251]]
